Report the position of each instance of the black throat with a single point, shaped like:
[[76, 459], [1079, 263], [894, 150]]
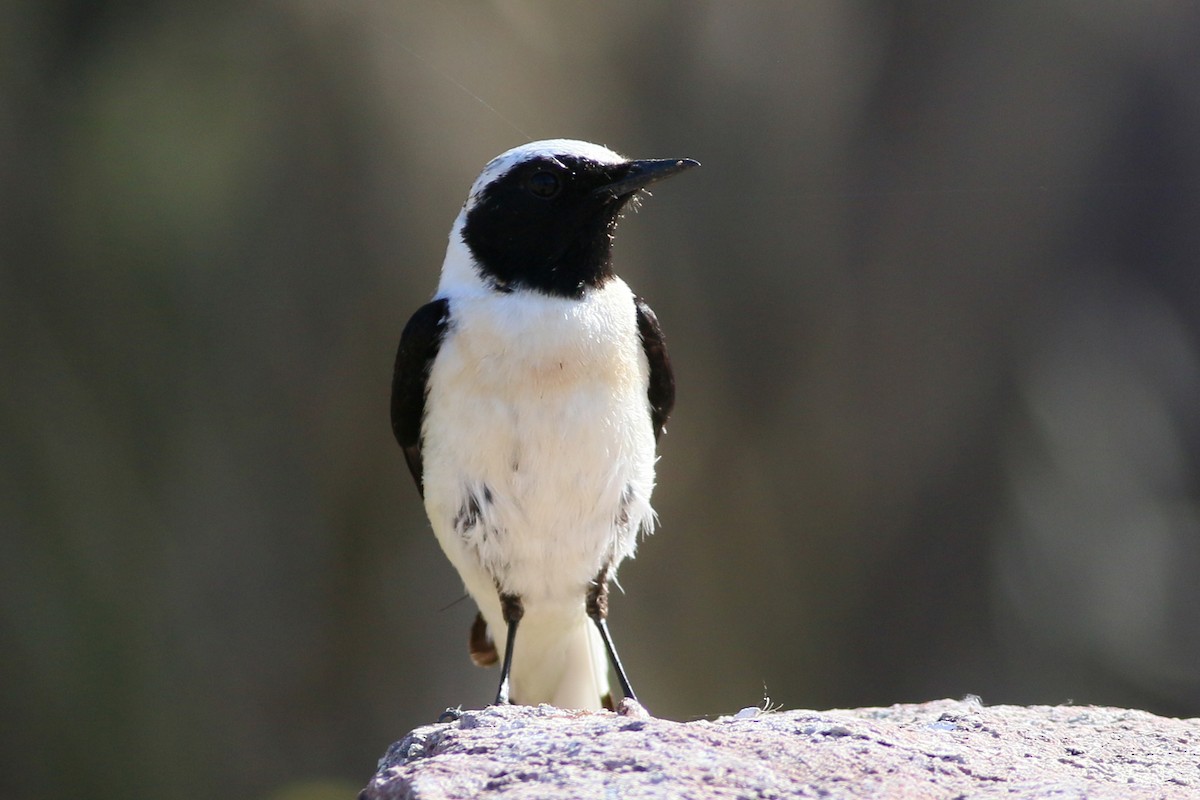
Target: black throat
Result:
[[542, 226]]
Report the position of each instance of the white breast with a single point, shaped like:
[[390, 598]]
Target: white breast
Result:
[[538, 445]]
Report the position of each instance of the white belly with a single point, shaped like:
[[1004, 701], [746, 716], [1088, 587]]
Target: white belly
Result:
[[538, 446]]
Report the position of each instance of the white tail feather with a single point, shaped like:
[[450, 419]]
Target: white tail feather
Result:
[[558, 661]]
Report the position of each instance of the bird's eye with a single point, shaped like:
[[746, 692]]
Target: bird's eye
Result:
[[544, 184]]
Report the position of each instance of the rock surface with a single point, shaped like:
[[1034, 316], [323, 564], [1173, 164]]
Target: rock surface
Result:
[[941, 749]]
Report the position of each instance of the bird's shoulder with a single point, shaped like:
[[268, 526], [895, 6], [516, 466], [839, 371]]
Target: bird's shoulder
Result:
[[419, 344], [661, 388]]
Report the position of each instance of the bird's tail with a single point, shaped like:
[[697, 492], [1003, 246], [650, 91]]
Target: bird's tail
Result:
[[560, 661]]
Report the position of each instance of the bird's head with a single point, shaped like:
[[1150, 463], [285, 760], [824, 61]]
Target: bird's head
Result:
[[541, 216]]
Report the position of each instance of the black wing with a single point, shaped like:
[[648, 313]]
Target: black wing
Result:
[[418, 346], [662, 381]]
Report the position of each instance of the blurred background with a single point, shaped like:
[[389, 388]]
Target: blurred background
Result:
[[932, 301]]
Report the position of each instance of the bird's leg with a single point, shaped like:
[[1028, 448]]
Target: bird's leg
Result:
[[512, 609], [597, 609]]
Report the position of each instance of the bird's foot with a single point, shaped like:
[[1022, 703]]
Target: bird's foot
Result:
[[450, 715], [502, 694], [630, 707]]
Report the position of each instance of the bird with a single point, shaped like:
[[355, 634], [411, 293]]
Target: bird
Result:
[[528, 397]]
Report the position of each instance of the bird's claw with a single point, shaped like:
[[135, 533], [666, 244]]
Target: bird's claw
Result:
[[450, 715]]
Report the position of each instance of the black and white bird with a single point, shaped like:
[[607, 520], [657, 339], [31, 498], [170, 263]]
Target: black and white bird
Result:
[[528, 397]]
